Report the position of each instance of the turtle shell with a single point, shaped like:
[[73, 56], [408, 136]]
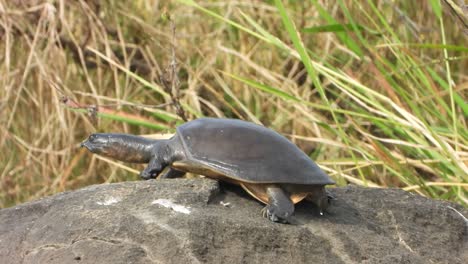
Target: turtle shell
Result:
[[247, 152]]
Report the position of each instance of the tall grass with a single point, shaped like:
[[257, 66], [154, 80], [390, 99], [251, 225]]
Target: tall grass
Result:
[[374, 91]]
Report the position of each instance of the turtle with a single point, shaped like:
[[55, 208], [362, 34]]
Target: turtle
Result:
[[266, 164]]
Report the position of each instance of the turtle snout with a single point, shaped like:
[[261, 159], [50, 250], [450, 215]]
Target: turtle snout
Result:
[[93, 142], [86, 144]]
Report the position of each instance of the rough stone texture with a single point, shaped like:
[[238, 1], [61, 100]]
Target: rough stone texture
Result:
[[119, 223]]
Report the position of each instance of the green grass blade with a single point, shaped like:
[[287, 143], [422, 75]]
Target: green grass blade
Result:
[[344, 37], [436, 7], [130, 73], [337, 28], [125, 119], [265, 88]]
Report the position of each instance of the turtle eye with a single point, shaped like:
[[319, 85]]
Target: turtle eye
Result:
[[92, 138]]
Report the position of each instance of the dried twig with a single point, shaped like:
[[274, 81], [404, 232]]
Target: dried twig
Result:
[[460, 12], [169, 78]]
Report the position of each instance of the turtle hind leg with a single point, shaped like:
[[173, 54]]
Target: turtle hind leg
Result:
[[279, 207]]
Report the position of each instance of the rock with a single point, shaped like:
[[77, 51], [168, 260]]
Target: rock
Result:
[[196, 221]]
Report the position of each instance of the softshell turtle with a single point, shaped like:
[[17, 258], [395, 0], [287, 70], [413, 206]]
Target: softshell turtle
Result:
[[266, 164]]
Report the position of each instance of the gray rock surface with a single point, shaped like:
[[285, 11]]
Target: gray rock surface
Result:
[[197, 221]]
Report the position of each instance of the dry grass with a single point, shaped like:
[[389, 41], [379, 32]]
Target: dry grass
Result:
[[381, 104]]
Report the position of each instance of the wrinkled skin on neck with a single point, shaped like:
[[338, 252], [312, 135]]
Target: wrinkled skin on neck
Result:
[[129, 148], [123, 147]]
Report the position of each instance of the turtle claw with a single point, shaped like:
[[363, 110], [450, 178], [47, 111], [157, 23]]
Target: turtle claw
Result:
[[267, 214]]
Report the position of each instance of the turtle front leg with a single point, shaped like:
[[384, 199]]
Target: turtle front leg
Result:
[[163, 153], [155, 166], [321, 197], [279, 207]]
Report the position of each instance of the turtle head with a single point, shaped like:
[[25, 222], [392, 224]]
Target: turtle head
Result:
[[122, 147], [100, 144]]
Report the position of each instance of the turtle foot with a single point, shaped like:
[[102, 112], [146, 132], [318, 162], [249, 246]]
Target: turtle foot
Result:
[[147, 175], [330, 195], [153, 169], [272, 214]]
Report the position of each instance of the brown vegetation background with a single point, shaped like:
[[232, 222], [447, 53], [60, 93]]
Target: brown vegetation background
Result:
[[70, 68]]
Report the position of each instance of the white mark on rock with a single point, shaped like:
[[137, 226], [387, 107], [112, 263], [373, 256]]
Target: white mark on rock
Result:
[[397, 229], [169, 204], [109, 201], [225, 204]]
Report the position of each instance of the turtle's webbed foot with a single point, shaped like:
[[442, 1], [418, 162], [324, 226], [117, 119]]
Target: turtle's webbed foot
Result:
[[273, 214], [280, 207], [152, 170], [148, 174], [330, 195]]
